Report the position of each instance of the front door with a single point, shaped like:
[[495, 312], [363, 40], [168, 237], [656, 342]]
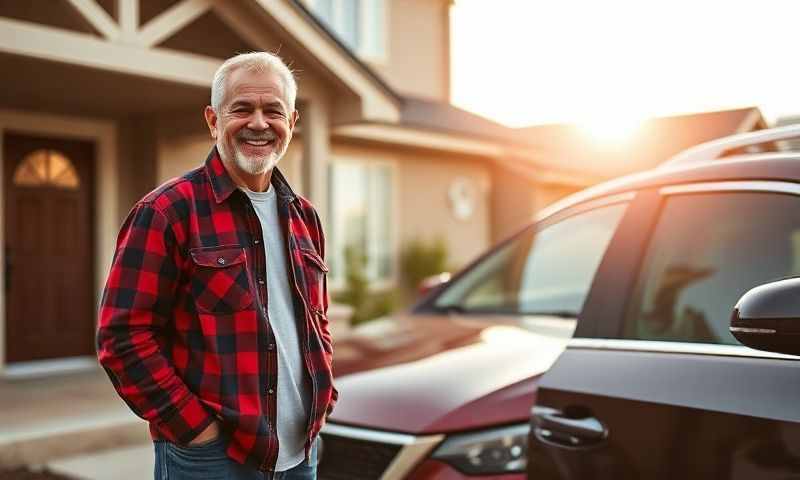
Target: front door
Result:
[[48, 247]]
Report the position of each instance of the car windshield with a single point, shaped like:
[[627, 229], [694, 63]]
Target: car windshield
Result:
[[542, 271]]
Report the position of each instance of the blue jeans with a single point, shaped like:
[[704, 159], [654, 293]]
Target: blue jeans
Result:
[[208, 461]]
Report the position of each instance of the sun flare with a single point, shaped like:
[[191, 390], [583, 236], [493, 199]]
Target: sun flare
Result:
[[611, 129]]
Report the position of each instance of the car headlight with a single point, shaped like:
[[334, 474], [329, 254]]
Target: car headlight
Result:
[[496, 451]]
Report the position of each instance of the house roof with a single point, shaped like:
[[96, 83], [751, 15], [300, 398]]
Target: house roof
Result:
[[655, 141], [419, 112]]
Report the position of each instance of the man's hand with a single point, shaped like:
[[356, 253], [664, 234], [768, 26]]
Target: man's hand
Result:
[[210, 433]]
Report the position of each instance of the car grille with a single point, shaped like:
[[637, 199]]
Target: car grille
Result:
[[353, 459]]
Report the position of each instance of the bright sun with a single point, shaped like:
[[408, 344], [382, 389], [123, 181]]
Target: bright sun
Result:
[[614, 129]]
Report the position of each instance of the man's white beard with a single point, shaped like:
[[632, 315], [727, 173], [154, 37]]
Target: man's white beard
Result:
[[255, 165]]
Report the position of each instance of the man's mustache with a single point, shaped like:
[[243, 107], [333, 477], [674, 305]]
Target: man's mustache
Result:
[[252, 135]]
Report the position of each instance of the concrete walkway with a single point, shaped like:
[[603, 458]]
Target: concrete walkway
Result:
[[61, 416], [128, 463]]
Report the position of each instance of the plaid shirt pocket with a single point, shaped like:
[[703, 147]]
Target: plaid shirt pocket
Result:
[[314, 271], [220, 282]]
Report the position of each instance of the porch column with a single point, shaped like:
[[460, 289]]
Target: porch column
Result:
[[316, 137]]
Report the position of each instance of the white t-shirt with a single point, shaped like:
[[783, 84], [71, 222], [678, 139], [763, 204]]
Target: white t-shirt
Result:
[[293, 392]]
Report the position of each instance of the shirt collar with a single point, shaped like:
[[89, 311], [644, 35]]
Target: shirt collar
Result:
[[223, 185]]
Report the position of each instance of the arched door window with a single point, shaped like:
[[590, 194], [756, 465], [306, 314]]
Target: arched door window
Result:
[[47, 168]]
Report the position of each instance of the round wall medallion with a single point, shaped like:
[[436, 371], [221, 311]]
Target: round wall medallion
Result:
[[463, 195]]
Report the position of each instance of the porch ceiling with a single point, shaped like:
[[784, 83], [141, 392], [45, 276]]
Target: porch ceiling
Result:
[[40, 85]]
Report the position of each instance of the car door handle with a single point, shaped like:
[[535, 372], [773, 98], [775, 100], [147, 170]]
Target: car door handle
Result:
[[575, 429]]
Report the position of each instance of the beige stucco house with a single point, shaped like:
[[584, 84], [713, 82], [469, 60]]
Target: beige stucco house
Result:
[[102, 100]]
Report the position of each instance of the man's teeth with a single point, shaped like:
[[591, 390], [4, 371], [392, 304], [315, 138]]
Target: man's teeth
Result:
[[259, 143]]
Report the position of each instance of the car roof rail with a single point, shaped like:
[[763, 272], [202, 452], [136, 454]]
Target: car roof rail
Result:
[[710, 151]]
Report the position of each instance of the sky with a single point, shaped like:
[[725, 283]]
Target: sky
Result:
[[590, 62]]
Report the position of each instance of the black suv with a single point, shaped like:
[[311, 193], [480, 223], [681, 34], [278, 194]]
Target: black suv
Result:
[[654, 384]]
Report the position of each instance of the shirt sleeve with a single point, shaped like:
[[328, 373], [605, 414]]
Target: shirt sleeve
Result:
[[135, 312]]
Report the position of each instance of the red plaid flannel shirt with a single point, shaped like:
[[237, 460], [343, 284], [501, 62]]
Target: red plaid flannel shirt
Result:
[[183, 330]]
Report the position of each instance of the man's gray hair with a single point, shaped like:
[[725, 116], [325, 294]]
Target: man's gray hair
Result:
[[257, 62]]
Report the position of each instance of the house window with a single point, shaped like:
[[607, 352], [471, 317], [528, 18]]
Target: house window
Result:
[[360, 24], [46, 168], [361, 220]]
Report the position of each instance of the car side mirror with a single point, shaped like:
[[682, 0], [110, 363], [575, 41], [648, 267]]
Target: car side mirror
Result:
[[768, 317], [431, 283]]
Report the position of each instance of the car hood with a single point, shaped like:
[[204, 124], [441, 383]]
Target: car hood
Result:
[[441, 373]]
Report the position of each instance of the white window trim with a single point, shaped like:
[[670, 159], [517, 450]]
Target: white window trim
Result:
[[338, 284], [367, 14], [365, 33]]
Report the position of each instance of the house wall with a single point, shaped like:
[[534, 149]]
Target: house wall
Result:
[[137, 161], [513, 202], [516, 199], [547, 194], [182, 143], [418, 48], [422, 207], [426, 209]]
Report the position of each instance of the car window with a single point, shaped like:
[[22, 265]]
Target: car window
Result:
[[545, 271], [706, 251]]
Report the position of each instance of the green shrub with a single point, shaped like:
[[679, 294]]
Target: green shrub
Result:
[[366, 305], [419, 260]]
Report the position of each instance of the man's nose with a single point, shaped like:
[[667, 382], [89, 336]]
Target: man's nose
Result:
[[258, 121]]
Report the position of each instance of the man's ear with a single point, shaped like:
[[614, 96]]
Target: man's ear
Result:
[[211, 120], [293, 120]]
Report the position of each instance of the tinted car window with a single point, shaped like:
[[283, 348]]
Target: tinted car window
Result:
[[707, 250], [545, 271]]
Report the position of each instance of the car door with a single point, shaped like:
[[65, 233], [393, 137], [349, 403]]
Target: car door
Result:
[[653, 385]]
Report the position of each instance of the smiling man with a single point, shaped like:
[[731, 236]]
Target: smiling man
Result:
[[213, 324]]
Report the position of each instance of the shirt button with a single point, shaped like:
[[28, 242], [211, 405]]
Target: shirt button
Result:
[[256, 241], [271, 391], [221, 261], [271, 347], [261, 281]]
